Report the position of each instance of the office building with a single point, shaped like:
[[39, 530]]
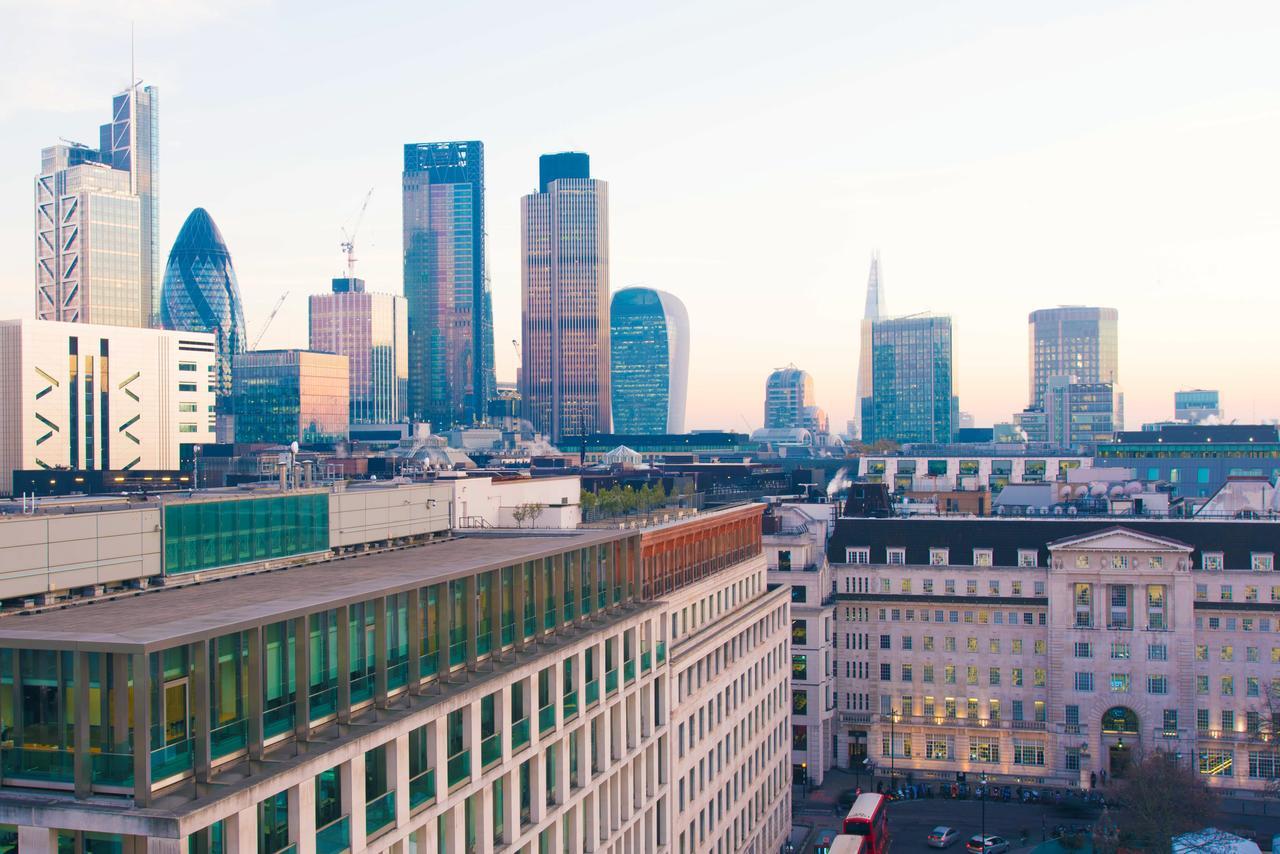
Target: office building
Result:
[[795, 546], [564, 275], [446, 283], [200, 294], [1074, 341], [788, 399], [649, 351], [86, 396], [372, 331], [1055, 651], [516, 692], [911, 366], [1074, 414], [1196, 406], [97, 225], [872, 311], [284, 396], [1195, 461]]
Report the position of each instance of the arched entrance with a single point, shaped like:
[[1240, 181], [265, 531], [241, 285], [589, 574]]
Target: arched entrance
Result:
[[1120, 733]]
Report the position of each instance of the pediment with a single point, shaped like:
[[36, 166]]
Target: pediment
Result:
[[1120, 540]]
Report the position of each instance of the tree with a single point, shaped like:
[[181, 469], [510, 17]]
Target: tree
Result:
[[1267, 728], [527, 512], [587, 503], [1162, 797]]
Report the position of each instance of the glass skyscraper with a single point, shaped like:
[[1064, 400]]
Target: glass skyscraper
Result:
[[446, 283], [97, 224], [911, 398], [649, 353], [200, 294], [564, 276], [1075, 341], [788, 393], [371, 330], [283, 396]]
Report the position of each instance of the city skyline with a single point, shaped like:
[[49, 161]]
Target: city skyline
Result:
[[680, 219]]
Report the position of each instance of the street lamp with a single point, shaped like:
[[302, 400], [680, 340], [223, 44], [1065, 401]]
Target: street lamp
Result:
[[983, 779]]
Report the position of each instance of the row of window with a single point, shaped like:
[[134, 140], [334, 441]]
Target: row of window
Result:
[[927, 644], [907, 586], [972, 673], [982, 617], [1227, 685], [1030, 558], [1227, 652], [943, 747]]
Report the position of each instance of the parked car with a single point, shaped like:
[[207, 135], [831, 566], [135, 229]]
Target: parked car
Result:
[[994, 845], [943, 837]]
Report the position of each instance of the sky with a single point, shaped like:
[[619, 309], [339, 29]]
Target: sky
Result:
[[1000, 156]]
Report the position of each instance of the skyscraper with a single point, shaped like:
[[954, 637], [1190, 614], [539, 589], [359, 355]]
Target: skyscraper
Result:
[[1073, 341], [446, 283], [200, 294], [911, 397], [788, 393], [97, 225], [564, 283], [873, 311], [372, 331], [649, 352], [284, 396]]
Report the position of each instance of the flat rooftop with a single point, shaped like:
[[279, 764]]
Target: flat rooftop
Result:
[[165, 617]]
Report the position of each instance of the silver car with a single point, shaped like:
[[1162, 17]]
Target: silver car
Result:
[[993, 845], [943, 837]]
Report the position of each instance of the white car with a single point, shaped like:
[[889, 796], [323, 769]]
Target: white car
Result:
[[943, 837], [994, 845]]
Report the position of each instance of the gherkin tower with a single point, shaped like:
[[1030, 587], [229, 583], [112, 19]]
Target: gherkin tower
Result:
[[200, 294]]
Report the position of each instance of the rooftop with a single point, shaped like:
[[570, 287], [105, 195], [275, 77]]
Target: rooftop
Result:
[[162, 618]]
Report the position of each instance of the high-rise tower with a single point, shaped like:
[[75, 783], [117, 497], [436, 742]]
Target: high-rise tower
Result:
[[446, 283], [649, 352], [912, 385], [370, 330], [97, 225], [1072, 340], [873, 311], [564, 283]]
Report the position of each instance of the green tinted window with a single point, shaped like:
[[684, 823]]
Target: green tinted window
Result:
[[212, 534]]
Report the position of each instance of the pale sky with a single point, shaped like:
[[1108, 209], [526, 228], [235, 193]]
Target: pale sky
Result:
[[1002, 157]]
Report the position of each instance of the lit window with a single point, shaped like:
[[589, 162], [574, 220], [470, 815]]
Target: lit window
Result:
[[1262, 562], [938, 557], [982, 557], [1211, 561], [1028, 557]]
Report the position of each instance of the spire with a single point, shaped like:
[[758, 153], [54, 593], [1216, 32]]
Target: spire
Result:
[[875, 298]]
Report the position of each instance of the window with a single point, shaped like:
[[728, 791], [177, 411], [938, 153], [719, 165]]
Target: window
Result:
[[1216, 763], [1202, 652], [1017, 645], [1083, 650], [1082, 561], [1227, 653], [949, 643], [1264, 764], [1224, 593], [1202, 684], [1228, 720], [1028, 752], [994, 676], [186, 427], [1039, 588], [1017, 588], [1040, 646], [939, 747], [800, 632], [1262, 562], [928, 643], [1251, 593], [938, 557], [1211, 561], [886, 642], [982, 557], [993, 646], [187, 366], [1119, 683], [187, 407], [949, 674], [1155, 607], [993, 587], [886, 672], [984, 750], [187, 387], [950, 586], [906, 642], [1157, 685], [928, 673], [906, 673], [1119, 651], [905, 586], [1155, 562], [1028, 557], [1157, 652], [859, 555], [928, 588], [1119, 611], [800, 667], [1228, 686], [971, 645], [971, 674], [1038, 677], [1084, 681], [1084, 605], [1202, 720], [897, 557], [1015, 677], [1119, 561]]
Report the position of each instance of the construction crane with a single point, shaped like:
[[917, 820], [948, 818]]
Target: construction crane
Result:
[[349, 238], [270, 317]]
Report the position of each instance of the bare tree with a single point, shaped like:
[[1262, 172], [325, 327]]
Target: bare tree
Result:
[[528, 512], [1162, 798], [1266, 730]]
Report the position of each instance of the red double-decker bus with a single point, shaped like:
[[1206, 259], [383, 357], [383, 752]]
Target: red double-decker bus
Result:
[[869, 819]]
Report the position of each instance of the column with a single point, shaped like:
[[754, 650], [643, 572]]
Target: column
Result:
[[352, 774], [414, 621], [473, 621], [255, 692], [558, 588], [164, 845], [301, 680], [379, 652], [200, 708], [495, 614], [444, 622], [240, 831], [471, 728], [539, 598], [344, 666], [141, 730], [82, 760], [519, 599], [398, 774], [537, 787], [590, 820], [302, 816], [484, 820], [511, 806], [37, 840], [455, 829]]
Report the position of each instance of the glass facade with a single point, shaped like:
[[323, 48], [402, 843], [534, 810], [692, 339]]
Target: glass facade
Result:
[[1073, 341], [208, 534], [649, 355], [450, 324], [200, 294], [372, 331], [911, 368], [283, 396], [565, 374], [787, 394]]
